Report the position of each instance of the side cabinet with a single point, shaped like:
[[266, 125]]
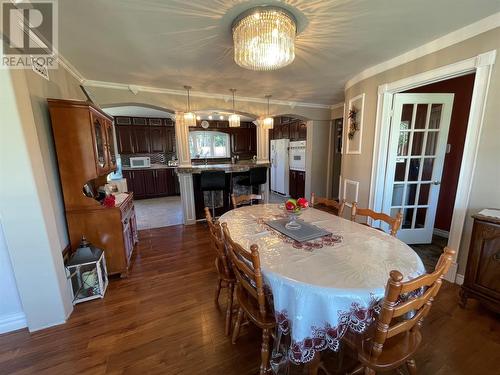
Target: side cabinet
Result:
[[482, 276], [297, 181], [150, 183]]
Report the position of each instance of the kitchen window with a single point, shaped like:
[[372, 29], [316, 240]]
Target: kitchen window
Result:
[[209, 144]]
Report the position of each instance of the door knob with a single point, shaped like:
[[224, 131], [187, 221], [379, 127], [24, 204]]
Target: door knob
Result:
[[436, 182]]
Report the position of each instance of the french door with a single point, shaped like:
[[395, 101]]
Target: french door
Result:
[[417, 149]]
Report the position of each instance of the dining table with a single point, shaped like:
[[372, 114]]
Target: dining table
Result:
[[325, 287]]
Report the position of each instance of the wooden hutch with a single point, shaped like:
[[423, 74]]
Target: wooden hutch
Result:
[[482, 276], [84, 140]]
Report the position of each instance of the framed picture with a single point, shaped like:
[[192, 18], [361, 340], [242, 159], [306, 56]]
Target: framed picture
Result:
[[353, 126]]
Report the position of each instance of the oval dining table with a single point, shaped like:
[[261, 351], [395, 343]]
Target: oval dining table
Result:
[[324, 287]]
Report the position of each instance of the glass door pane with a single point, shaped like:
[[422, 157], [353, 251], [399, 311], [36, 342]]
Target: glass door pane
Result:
[[99, 142], [416, 156]]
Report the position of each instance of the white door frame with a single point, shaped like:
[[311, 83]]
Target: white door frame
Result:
[[482, 66]]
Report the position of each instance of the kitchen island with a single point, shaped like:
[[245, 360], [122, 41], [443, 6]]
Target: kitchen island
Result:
[[195, 200]]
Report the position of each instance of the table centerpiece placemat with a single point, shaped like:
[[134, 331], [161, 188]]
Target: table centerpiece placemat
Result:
[[306, 232]]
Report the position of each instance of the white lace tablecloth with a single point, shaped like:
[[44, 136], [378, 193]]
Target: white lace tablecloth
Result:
[[323, 287]]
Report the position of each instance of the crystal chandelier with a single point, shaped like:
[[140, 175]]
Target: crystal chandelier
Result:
[[234, 119], [189, 117], [264, 38], [268, 121]]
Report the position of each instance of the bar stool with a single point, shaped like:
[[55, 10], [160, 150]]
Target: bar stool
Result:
[[256, 176], [212, 181]]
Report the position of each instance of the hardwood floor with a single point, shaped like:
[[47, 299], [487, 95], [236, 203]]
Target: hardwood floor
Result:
[[162, 320]]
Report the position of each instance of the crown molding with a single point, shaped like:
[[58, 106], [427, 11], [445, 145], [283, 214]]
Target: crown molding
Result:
[[70, 68], [198, 94], [457, 36], [338, 105]]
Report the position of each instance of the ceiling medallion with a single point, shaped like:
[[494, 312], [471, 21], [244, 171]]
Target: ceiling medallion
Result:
[[264, 38]]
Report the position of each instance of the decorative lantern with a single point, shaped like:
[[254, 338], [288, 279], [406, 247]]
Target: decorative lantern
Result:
[[87, 271]]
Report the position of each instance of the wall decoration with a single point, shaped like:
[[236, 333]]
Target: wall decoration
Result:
[[354, 126]]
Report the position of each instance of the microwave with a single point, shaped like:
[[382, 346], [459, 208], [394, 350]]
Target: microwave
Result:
[[140, 162]]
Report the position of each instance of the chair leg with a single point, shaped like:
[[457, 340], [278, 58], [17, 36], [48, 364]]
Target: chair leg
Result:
[[217, 291], [237, 325], [412, 366], [229, 309], [264, 352], [357, 370]]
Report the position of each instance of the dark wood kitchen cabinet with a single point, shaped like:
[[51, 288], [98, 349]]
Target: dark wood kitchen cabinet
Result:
[[482, 276], [158, 138], [294, 131], [241, 141], [125, 139], [297, 183], [152, 183], [288, 128], [302, 131], [142, 138], [137, 135], [170, 145]]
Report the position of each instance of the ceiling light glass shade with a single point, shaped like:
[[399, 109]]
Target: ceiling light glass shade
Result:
[[269, 122], [234, 120], [264, 38], [189, 119]]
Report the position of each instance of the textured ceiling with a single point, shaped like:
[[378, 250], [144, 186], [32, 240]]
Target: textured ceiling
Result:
[[171, 43]]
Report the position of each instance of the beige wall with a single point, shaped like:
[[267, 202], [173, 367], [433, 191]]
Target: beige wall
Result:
[[486, 187], [337, 112], [29, 220], [62, 85], [318, 133]]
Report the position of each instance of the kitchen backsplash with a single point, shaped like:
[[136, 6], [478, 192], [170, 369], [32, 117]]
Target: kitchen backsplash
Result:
[[160, 158]]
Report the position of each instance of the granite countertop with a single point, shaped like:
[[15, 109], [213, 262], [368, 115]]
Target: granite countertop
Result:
[[226, 167], [153, 166]]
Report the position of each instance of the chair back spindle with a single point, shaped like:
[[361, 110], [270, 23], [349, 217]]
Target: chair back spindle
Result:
[[392, 320], [246, 266], [217, 242], [338, 207], [394, 222], [239, 200]]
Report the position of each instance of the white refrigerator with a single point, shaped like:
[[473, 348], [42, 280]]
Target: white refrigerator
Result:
[[279, 166]]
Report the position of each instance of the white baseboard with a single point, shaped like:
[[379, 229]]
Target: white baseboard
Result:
[[441, 233], [459, 279], [452, 273], [12, 322]]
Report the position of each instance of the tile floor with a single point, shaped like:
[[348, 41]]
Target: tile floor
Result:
[[158, 212], [430, 253]]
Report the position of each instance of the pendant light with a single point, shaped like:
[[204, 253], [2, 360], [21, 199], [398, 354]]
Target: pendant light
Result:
[[234, 119], [189, 117], [268, 121]]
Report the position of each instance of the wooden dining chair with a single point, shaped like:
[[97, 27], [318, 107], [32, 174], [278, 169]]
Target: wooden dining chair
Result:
[[250, 294], [239, 200], [225, 275], [328, 204], [395, 335], [394, 222]]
